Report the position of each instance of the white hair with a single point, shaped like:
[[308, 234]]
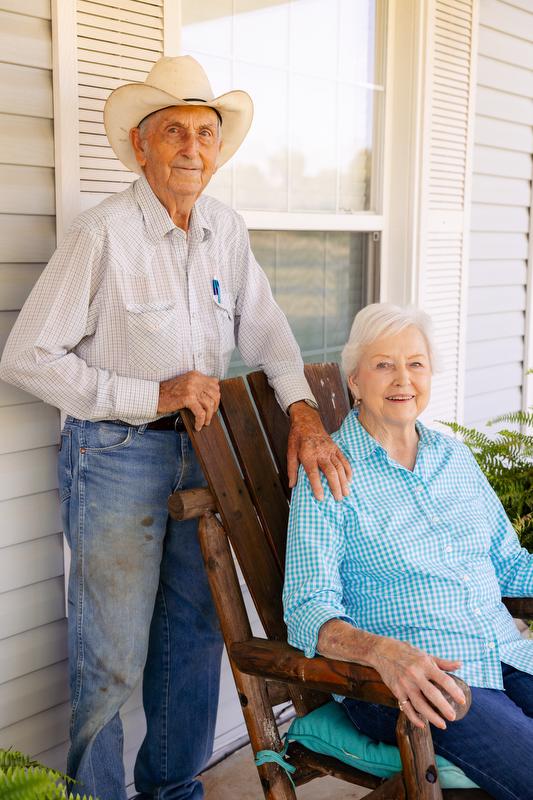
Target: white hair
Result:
[[385, 319]]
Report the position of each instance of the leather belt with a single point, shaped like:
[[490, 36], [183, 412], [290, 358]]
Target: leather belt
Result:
[[172, 423]]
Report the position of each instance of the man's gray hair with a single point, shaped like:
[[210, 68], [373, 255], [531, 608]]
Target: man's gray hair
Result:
[[385, 319]]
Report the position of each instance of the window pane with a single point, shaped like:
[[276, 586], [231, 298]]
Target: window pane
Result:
[[309, 66], [317, 279]]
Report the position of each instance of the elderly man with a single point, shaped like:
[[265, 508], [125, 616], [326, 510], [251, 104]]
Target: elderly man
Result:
[[134, 318]]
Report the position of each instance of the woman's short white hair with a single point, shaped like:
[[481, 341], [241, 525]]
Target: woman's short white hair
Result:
[[385, 319]]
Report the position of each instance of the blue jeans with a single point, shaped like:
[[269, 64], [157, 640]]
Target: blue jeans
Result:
[[492, 744], [138, 600]]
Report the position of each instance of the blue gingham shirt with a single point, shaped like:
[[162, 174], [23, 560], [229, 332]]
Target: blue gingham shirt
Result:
[[422, 556]]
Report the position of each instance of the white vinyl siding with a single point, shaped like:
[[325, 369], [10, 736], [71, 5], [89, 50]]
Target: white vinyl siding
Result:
[[501, 208], [33, 685]]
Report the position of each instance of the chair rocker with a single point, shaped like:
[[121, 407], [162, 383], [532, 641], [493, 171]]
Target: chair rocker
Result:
[[245, 510]]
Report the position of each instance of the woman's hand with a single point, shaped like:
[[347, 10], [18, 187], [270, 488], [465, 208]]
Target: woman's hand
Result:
[[418, 680]]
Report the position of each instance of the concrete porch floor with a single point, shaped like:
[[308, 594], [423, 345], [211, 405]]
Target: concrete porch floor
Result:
[[235, 778]]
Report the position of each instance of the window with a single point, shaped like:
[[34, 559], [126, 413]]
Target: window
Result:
[[307, 177]]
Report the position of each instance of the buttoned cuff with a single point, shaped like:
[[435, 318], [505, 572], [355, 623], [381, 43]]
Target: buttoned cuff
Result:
[[290, 389], [136, 400]]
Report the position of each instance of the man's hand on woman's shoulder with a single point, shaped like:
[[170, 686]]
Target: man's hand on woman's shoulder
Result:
[[311, 446]]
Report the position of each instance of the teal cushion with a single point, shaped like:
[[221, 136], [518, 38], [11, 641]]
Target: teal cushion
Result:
[[328, 730]]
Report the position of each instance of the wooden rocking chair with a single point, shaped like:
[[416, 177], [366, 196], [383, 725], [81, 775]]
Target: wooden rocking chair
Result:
[[251, 499]]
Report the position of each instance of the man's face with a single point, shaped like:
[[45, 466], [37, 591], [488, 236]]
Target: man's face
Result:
[[178, 149]]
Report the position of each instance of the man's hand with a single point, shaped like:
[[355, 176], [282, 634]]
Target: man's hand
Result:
[[199, 393], [310, 445]]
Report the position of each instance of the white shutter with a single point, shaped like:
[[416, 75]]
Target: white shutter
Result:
[[445, 194], [501, 213], [118, 41]]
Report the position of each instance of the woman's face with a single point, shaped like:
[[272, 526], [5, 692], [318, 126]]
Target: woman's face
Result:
[[393, 379]]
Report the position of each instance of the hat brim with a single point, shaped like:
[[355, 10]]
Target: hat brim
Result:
[[129, 104]]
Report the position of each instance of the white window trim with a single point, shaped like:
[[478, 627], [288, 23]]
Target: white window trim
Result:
[[66, 116], [310, 221], [403, 133]]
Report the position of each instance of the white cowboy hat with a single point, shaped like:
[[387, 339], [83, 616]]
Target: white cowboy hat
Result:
[[174, 81]]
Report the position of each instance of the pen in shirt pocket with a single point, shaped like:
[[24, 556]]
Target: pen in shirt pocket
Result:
[[216, 289]]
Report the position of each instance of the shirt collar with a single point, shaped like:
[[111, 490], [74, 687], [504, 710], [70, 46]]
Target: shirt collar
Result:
[[199, 227], [157, 219], [360, 444]]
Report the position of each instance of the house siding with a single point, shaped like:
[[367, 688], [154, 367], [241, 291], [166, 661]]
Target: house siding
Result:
[[33, 667], [501, 208]]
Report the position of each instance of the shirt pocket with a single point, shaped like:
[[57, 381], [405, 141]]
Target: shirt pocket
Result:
[[225, 328], [153, 337]]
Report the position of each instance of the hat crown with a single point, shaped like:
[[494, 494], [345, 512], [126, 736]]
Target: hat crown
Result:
[[182, 77]]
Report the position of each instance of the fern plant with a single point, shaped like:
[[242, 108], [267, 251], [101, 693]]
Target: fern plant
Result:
[[507, 461], [21, 778]]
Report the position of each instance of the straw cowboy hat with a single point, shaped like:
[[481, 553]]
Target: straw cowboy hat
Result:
[[177, 81]]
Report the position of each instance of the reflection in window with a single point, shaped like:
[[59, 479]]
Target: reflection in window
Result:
[[309, 66], [317, 278]]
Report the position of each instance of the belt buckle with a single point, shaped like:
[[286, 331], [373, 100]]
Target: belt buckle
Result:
[[178, 422]]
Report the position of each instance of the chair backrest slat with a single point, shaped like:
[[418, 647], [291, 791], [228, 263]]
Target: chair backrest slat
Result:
[[327, 385], [260, 474], [274, 421], [260, 569]]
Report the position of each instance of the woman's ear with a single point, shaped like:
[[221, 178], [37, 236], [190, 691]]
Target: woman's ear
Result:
[[354, 389]]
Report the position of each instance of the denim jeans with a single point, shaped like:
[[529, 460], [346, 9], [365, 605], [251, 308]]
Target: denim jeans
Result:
[[139, 602], [492, 744]]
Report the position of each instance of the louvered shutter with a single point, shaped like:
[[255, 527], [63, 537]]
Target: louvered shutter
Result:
[[118, 41], [445, 195]]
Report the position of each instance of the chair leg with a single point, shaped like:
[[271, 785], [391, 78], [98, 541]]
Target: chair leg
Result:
[[252, 691], [418, 761], [392, 789]]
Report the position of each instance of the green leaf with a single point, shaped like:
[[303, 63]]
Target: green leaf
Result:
[[22, 778], [506, 459]]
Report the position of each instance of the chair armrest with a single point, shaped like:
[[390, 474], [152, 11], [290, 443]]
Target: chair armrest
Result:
[[519, 607], [279, 661]]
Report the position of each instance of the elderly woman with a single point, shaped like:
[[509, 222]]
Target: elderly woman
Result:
[[406, 574]]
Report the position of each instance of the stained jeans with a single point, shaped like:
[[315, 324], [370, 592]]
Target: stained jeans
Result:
[[138, 599], [492, 744]]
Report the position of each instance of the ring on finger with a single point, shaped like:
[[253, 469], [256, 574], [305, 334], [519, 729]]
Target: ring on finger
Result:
[[403, 703]]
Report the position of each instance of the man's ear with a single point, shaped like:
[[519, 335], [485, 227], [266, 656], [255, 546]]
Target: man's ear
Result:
[[138, 145]]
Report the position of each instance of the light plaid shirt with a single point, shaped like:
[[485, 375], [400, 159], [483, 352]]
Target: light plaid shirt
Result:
[[129, 300], [421, 556]]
